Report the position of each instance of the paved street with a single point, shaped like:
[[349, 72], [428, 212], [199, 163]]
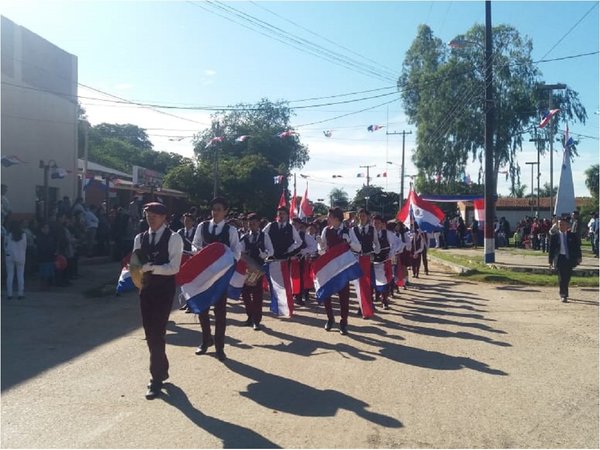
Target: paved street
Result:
[[452, 364]]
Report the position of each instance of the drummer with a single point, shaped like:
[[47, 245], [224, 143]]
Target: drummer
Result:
[[162, 249], [209, 231], [386, 245], [253, 247]]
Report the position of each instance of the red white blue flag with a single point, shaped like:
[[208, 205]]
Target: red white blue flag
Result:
[[382, 275], [125, 283], [547, 117], [237, 280], [280, 286], [205, 277], [334, 270], [428, 216], [362, 286]]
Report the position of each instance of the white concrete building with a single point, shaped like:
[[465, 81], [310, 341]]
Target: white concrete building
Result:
[[38, 119]]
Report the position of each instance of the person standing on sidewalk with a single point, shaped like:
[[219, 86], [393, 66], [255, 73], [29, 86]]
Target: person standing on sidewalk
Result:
[[162, 249], [16, 249], [564, 254]]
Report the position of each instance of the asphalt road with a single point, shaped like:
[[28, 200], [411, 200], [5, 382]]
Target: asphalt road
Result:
[[452, 364]]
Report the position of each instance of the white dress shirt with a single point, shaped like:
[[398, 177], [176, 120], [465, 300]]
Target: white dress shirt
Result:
[[175, 250], [234, 237], [350, 238]]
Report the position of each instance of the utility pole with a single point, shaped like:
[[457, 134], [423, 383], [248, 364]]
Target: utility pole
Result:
[[550, 88], [538, 143], [85, 158], [490, 176], [532, 163], [367, 167], [403, 133]]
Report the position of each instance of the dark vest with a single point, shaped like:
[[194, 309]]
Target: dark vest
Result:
[[281, 239], [208, 238], [157, 255], [384, 244], [187, 242], [366, 240], [335, 237], [253, 249]]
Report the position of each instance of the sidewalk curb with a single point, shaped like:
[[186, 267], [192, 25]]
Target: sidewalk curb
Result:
[[457, 268]]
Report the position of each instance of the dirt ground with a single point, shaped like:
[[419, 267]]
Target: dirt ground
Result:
[[452, 364]]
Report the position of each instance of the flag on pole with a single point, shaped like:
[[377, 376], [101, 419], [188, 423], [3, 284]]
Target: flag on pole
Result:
[[547, 117], [479, 210], [11, 160], [305, 209], [428, 216], [282, 201]]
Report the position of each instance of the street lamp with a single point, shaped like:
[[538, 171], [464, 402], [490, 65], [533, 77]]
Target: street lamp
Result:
[[51, 164], [489, 194]]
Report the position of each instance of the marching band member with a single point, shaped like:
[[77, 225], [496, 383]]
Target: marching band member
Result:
[[253, 245], [209, 231], [365, 234], [417, 246], [335, 233], [386, 245], [403, 255], [187, 235], [307, 250], [162, 249], [281, 238]]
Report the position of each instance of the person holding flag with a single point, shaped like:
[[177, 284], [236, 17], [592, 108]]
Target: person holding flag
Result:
[[209, 231], [162, 249], [333, 234], [365, 234]]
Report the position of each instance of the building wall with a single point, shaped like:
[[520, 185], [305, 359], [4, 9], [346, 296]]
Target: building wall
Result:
[[38, 115]]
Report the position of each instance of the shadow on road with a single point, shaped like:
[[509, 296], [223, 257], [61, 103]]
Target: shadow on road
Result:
[[289, 396], [232, 435]]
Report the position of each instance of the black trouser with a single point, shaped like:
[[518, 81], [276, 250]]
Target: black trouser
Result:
[[565, 270], [156, 302], [220, 323]]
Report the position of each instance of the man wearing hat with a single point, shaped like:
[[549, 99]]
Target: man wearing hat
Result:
[[162, 250], [564, 254], [253, 246], [209, 231]]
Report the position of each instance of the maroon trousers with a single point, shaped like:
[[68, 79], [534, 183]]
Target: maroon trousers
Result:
[[156, 302], [253, 300], [220, 315], [344, 295]]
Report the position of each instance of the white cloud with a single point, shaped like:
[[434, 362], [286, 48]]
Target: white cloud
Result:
[[210, 72]]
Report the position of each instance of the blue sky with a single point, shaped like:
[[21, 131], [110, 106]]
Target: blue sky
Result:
[[181, 53]]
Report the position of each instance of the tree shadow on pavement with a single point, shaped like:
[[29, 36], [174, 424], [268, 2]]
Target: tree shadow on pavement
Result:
[[517, 288], [289, 396], [232, 436]]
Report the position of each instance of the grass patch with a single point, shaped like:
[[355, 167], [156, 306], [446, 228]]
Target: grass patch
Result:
[[481, 272]]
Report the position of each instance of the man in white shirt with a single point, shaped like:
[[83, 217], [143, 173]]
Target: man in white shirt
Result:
[[209, 231], [162, 250]]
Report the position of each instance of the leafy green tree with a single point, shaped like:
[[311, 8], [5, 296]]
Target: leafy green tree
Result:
[[545, 190], [443, 93], [591, 180], [132, 134], [245, 170], [518, 191], [379, 202], [320, 209], [339, 197]]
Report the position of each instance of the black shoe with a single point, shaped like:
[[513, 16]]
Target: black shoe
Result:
[[248, 322], [256, 327], [299, 301], [221, 355], [189, 311], [328, 325], [153, 390], [359, 312], [204, 347], [564, 299], [386, 307], [183, 308], [343, 329]]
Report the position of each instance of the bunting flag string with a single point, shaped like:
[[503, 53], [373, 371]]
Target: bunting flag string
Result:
[[374, 127]]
